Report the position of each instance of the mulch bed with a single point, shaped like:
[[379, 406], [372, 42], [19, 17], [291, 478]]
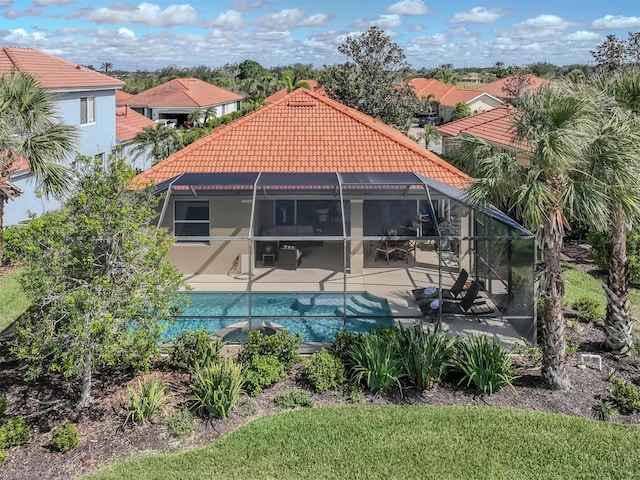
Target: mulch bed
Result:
[[104, 439]]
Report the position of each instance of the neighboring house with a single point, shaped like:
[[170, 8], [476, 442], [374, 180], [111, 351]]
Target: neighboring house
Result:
[[307, 176], [176, 99], [85, 98], [495, 126], [473, 77], [274, 97], [128, 124], [445, 97], [501, 88]]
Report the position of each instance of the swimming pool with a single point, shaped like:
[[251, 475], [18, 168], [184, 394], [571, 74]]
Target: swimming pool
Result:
[[314, 315]]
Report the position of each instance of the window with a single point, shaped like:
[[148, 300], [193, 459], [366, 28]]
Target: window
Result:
[[191, 219], [87, 110]]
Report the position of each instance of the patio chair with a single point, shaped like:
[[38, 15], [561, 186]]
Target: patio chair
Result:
[[466, 306], [405, 249], [384, 248], [453, 293]]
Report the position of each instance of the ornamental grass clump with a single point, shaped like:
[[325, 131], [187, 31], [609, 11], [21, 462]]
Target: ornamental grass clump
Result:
[[483, 363], [375, 363], [217, 387], [146, 401], [426, 354]]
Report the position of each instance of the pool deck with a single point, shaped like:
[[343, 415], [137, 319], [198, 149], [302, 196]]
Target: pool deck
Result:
[[321, 271]]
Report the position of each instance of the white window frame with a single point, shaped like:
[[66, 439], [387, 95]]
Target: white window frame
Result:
[[87, 110], [191, 238]]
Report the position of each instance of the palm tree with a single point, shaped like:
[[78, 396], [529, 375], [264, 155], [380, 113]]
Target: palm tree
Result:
[[162, 140], [616, 161], [429, 134], [106, 66], [556, 124], [30, 128]]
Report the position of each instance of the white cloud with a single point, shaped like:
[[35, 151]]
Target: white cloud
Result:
[[229, 20], [584, 36], [243, 5], [6, 3], [408, 7], [20, 35], [147, 14], [49, 3], [477, 15], [550, 22], [126, 33], [317, 20], [387, 21], [615, 21]]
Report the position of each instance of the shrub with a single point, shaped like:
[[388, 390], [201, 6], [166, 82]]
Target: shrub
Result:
[[601, 248], [3, 406], [283, 346], [626, 395], [354, 393], [3, 456], [604, 410], [342, 345], [426, 355], [65, 438], [484, 363], [572, 346], [13, 432], [293, 398], [216, 387], [533, 353], [146, 401], [375, 363], [588, 309], [181, 423], [324, 371], [194, 349], [261, 372], [573, 325]]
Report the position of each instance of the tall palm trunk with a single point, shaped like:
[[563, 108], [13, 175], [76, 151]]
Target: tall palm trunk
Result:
[[617, 321], [554, 372]]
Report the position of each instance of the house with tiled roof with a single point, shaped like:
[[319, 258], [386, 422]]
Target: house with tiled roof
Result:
[[176, 99], [128, 124], [445, 97], [308, 194], [503, 87], [84, 98], [495, 126]]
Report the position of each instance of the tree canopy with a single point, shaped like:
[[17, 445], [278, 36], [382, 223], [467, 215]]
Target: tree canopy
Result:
[[374, 79], [97, 280]]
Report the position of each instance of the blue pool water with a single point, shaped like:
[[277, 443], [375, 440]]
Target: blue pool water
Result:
[[315, 316]]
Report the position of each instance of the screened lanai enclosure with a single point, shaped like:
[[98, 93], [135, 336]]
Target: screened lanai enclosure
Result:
[[319, 252]]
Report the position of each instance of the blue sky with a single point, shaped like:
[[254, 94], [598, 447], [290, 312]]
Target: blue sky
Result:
[[152, 34]]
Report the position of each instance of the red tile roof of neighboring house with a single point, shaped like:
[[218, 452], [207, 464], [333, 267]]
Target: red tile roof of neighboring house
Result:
[[496, 88], [20, 165], [495, 126], [444, 94], [274, 97], [184, 92], [129, 123], [305, 132], [52, 72], [122, 98]]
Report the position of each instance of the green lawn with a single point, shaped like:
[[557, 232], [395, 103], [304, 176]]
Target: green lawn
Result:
[[404, 442], [579, 284], [13, 303]]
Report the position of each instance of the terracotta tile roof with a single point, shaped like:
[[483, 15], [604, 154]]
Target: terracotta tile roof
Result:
[[52, 72], [305, 132], [496, 88], [445, 94], [122, 98], [495, 126], [20, 165], [184, 92], [129, 123], [274, 97]]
